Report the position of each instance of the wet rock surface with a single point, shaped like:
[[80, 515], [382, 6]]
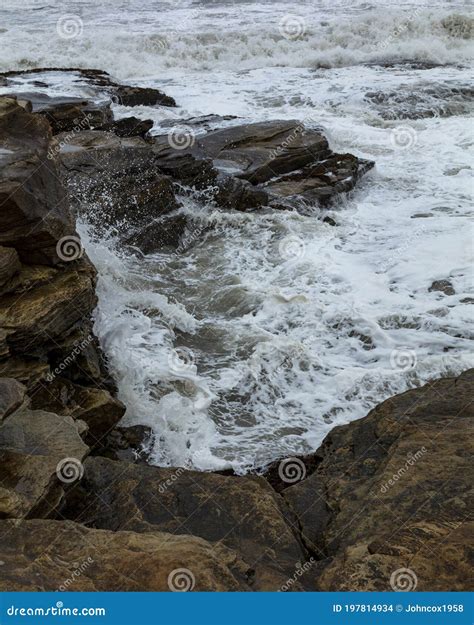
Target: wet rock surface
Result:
[[381, 494]]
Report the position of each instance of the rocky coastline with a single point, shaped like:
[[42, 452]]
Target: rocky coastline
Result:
[[80, 509]]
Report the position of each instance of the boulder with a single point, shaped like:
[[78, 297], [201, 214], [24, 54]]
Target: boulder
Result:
[[128, 443], [40, 454], [129, 127], [444, 286], [35, 321], [278, 163], [94, 406], [44, 555], [392, 489], [245, 514], [34, 215], [67, 114]]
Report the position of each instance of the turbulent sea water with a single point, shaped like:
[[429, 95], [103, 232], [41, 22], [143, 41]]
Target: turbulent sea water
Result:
[[273, 327]]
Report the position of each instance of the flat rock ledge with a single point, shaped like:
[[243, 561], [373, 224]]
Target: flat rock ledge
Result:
[[384, 494]]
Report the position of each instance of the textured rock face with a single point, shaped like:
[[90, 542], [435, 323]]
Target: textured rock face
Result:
[[29, 221], [392, 491], [276, 163], [12, 395], [245, 514], [33, 444], [61, 555]]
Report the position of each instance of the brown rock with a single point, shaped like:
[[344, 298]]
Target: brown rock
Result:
[[445, 286], [95, 406], [34, 215], [37, 449], [42, 555], [245, 514], [47, 313], [391, 490]]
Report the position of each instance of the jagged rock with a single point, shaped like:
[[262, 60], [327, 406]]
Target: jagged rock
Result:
[[67, 114], [47, 313], [32, 444], [12, 396], [95, 406], [96, 79], [9, 264], [141, 96], [129, 127], [279, 163], [34, 214], [445, 286], [39, 555], [118, 182], [392, 489], [244, 513]]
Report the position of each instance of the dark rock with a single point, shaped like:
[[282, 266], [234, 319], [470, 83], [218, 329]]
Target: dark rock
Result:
[[44, 555], [128, 443], [9, 264], [390, 490], [243, 513], [67, 114], [129, 127], [445, 286], [35, 213], [141, 96], [12, 396]]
